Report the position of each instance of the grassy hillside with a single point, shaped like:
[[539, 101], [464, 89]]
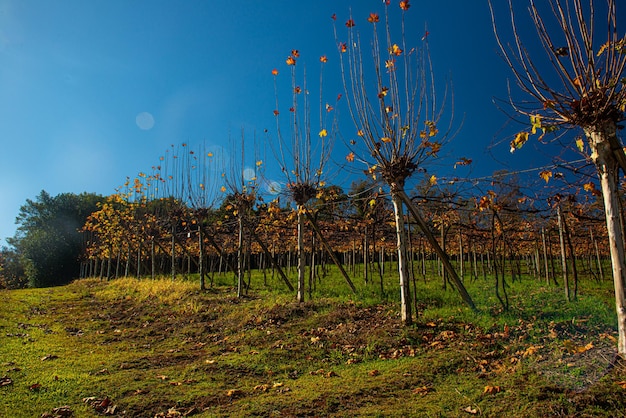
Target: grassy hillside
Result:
[[163, 349]]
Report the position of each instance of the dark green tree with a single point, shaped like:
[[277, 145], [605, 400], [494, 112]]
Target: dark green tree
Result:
[[48, 240], [11, 269]]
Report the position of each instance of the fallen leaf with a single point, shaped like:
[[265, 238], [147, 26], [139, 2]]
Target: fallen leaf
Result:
[[49, 357], [470, 410], [162, 377], [609, 337], [621, 383], [233, 392], [5, 381], [373, 373], [35, 387], [531, 350], [60, 412], [424, 390], [491, 390]]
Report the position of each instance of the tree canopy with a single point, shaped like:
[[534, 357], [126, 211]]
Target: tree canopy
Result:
[[48, 241]]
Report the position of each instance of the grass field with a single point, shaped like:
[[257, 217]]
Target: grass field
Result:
[[143, 348]]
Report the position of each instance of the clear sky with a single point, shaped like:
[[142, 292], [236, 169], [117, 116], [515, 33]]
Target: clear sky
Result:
[[94, 91]]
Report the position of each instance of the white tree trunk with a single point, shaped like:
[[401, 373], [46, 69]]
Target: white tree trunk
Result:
[[608, 170], [301, 255], [240, 266], [564, 268], [403, 271]]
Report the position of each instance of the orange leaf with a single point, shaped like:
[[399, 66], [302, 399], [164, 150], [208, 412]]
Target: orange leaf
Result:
[[290, 60], [491, 390], [395, 50], [385, 139], [424, 390], [373, 18], [404, 5], [274, 71], [350, 23], [323, 58], [350, 157], [295, 53], [343, 47]]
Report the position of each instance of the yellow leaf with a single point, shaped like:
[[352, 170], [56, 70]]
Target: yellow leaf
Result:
[[433, 180], [259, 163], [545, 174], [372, 202], [385, 139], [519, 141], [603, 48], [535, 122], [580, 144], [360, 132], [323, 133], [223, 189]]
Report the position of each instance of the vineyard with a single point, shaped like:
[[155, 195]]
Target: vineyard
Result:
[[503, 238], [376, 269]]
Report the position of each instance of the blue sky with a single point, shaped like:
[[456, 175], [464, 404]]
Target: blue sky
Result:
[[94, 91]]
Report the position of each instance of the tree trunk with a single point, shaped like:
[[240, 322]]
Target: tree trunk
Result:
[[240, 261], [597, 251], [608, 171], [201, 264], [563, 254], [403, 272], [301, 255], [173, 251], [153, 259]]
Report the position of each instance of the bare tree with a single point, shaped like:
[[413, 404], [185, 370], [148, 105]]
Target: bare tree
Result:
[[578, 85], [397, 115], [303, 158]]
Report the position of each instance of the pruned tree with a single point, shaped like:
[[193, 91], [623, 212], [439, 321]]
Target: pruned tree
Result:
[[303, 158], [577, 82], [398, 118]]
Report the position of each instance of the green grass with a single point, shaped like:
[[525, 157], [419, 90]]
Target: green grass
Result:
[[162, 348]]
